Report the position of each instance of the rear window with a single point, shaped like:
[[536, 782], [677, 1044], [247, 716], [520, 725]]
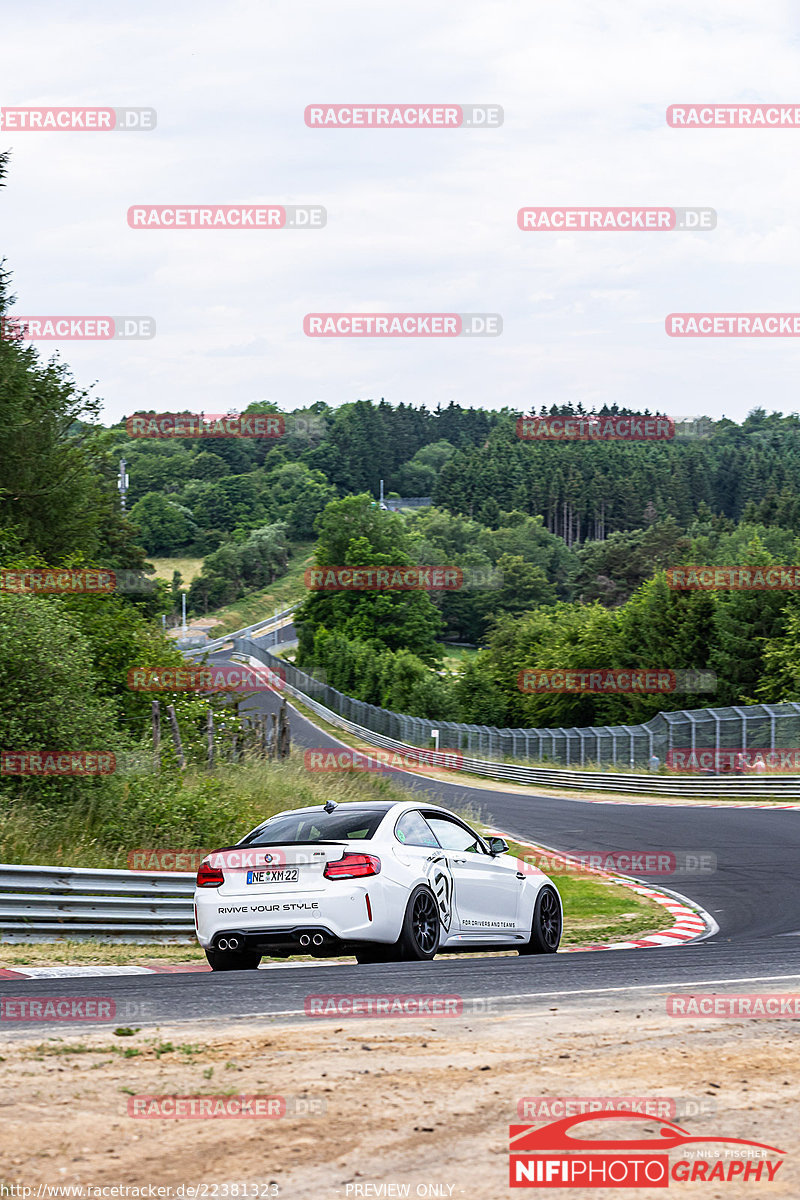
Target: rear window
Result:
[[337, 826]]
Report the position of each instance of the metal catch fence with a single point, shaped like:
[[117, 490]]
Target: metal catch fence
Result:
[[766, 727]]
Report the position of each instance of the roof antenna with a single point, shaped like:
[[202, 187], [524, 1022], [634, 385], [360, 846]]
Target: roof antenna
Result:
[[330, 806]]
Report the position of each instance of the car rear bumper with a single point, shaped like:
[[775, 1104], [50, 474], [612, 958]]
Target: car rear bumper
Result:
[[292, 939], [346, 914]]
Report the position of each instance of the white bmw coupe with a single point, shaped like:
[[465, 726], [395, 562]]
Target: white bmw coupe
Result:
[[384, 881]]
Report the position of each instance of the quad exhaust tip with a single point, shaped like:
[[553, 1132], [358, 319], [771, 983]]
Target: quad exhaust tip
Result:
[[306, 939]]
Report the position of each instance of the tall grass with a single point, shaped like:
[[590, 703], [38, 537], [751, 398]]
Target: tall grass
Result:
[[199, 810]]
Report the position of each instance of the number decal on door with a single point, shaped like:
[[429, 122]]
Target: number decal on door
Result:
[[441, 882]]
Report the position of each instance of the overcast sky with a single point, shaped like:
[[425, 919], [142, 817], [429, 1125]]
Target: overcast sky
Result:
[[417, 220]]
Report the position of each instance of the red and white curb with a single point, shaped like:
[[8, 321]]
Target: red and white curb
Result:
[[690, 922], [91, 971]]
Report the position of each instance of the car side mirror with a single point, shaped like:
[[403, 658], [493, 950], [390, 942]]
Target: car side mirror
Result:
[[497, 845]]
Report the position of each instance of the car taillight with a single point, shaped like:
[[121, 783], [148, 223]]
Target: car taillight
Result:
[[352, 866], [209, 876]]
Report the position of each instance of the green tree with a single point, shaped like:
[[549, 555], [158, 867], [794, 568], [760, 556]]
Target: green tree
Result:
[[355, 532], [164, 526], [297, 495], [119, 638], [780, 679], [51, 693], [612, 570]]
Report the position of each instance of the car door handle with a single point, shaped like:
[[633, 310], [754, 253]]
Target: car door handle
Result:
[[520, 875], [459, 860]]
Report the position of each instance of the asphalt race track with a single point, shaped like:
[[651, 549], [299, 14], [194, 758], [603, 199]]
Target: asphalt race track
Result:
[[753, 896]]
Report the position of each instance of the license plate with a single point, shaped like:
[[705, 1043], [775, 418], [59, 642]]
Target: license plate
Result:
[[285, 875]]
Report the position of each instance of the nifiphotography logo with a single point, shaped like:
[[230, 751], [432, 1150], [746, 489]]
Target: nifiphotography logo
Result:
[[556, 1155]]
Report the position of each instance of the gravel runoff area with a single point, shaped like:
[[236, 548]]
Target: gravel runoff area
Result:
[[421, 1103]]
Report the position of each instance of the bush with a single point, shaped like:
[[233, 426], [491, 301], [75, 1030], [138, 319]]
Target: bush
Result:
[[51, 694]]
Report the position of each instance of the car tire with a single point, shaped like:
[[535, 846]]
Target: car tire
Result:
[[422, 929], [547, 923], [233, 960]]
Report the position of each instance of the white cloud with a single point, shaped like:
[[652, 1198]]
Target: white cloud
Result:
[[422, 221]]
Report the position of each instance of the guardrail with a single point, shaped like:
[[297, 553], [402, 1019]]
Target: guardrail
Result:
[[248, 630], [48, 904], [785, 787]]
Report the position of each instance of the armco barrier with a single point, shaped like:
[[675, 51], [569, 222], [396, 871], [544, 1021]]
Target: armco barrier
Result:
[[247, 631], [47, 904], [783, 787]]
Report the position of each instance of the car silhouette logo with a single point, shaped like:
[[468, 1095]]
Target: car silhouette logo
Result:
[[557, 1136]]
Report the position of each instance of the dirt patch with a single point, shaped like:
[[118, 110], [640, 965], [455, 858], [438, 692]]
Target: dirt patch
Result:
[[417, 1102]]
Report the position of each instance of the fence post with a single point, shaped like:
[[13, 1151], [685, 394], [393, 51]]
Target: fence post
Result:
[[155, 713], [210, 731], [742, 715], [176, 735], [284, 735]]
